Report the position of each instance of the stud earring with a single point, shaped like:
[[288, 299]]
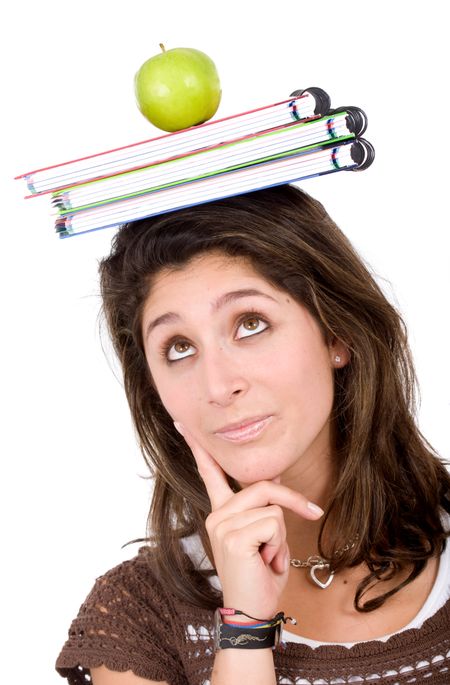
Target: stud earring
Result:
[[337, 358]]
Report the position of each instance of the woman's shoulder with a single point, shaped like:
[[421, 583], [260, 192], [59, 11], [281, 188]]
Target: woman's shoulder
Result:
[[130, 620], [130, 585], [137, 586], [135, 570]]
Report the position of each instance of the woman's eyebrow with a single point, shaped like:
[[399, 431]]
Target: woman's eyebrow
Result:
[[226, 298], [168, 317]]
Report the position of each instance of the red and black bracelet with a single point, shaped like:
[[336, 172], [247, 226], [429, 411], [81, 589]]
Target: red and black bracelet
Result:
[[260, 634]]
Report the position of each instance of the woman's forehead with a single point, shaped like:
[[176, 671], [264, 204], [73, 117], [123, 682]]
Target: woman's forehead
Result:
[[209, 278], [210, 269], [214, 259]]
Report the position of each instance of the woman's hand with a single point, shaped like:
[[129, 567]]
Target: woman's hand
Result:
[[248, 535]]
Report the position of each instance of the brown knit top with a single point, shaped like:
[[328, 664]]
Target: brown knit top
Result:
[[130, 621]]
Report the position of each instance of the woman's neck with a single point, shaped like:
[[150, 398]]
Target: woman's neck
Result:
[[314, 478]]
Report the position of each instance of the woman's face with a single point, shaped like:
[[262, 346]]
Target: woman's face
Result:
[[241, 365]]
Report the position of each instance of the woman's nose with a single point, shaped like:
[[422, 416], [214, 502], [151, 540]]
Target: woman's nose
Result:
[[224, 378]]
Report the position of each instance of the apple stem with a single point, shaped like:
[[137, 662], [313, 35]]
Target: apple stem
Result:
[[162, 47]]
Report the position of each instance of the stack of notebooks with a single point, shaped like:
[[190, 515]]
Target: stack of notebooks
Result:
[[288, 141]]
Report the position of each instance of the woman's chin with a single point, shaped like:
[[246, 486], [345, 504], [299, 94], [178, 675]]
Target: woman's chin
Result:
[[253, 466], [248, 476]]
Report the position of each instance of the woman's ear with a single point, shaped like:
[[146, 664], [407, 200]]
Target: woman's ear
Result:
[[339, 353]]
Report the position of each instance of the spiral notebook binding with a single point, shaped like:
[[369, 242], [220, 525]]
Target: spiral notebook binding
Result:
[[323, 101], [363, 153], [357, 119], [230, 165]]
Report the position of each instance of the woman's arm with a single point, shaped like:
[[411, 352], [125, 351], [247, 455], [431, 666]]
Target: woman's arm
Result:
[[249, 666], [248, 539]]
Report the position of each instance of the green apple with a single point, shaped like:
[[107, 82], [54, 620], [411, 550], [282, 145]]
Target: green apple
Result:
[[178, 88]]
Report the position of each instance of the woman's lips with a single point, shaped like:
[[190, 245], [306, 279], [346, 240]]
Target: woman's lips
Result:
[[247, 430]]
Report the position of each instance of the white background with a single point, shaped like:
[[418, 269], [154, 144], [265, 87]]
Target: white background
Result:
[[74, 485]]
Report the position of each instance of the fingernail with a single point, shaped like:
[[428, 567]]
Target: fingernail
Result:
[[315, 509], [179, 427]]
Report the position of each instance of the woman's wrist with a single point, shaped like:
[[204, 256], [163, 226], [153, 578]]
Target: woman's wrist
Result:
[[252, 667], [240, 619], [250, 633]]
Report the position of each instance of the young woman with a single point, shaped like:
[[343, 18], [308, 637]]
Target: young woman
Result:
[[272, 390]]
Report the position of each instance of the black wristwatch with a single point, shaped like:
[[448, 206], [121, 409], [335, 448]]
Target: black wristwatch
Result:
[[246, 636]]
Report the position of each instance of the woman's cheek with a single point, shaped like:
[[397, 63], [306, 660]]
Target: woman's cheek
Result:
[[177, 401]]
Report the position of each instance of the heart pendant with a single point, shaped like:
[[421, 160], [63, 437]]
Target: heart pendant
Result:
[[319, 567]]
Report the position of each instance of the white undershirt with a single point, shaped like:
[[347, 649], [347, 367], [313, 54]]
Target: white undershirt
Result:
[[440, 593]]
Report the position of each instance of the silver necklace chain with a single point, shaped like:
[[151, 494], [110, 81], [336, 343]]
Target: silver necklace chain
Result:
[[317, 563]]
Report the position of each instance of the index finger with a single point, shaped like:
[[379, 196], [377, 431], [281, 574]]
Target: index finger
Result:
[[217, 487]]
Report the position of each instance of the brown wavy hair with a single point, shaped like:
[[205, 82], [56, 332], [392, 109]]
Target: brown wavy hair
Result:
[[391, 485]]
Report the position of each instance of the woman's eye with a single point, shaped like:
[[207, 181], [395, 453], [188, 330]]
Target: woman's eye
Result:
[[251, 325], [179, 350]]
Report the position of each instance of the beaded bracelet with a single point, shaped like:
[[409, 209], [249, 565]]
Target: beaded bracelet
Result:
[[260, 634]]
